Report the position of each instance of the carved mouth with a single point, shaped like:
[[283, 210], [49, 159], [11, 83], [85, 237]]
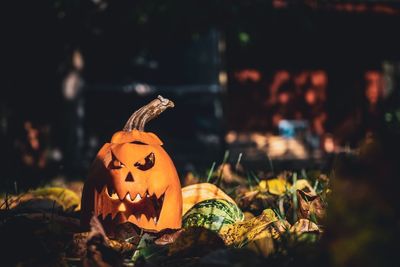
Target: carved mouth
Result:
[[140, 209]]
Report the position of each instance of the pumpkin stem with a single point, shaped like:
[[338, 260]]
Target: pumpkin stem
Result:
[[146, 113]]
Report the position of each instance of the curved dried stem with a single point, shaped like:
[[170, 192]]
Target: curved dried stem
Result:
[[146, 113]]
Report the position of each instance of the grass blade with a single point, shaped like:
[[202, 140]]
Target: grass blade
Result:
[[211, 172]]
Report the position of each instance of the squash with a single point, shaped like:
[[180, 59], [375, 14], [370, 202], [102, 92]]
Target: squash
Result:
[[212, 214], [195, 193]]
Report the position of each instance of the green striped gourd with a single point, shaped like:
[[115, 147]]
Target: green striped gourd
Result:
[[212, 214]]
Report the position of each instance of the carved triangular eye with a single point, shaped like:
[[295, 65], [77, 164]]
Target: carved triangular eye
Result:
[[115, 163], [146, 163]]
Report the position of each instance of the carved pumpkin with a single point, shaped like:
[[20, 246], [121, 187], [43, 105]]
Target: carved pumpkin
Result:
[[133, 178]]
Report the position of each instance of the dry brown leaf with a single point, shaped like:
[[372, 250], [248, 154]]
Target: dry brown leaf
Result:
[[310, 204], [263, 246], [98, 251], [304, 185], [304, 226], [168, 238], [228, 176]]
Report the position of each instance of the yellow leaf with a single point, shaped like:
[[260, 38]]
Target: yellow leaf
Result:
[[240, 233], [248, 215], [263, 185], [68, 199], [64, 197], [278, 186]]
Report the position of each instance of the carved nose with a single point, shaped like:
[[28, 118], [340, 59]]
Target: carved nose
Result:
[[129, 178]]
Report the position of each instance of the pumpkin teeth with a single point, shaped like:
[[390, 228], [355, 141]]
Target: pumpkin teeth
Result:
[[143, 218], [145, 208], [158, 194], [137, 198], [111, 192]]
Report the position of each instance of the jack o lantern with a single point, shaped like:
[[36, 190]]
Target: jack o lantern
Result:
[[133, 179]]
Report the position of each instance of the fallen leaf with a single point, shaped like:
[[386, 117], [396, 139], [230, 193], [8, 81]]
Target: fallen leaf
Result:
[[195, 241], [46, 199], [249, 196], [68, 199], [310, 205], [304, 226], [79, 241], [98, 252], [229, 176], [263, 185], [265, 225], [248, 215], [278, 186], [304, 185], [262, 246], [77, 248], [168, 238], [126, 232], [121, 246], [256, 201]]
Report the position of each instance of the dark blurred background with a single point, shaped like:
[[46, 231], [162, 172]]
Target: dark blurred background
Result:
[[293, 82]]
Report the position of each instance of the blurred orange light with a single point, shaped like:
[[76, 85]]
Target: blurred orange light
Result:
[[319, 78], [248, 75], [329, 144]]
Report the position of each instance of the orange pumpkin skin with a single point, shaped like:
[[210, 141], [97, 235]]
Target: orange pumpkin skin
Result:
[[132, 179]]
